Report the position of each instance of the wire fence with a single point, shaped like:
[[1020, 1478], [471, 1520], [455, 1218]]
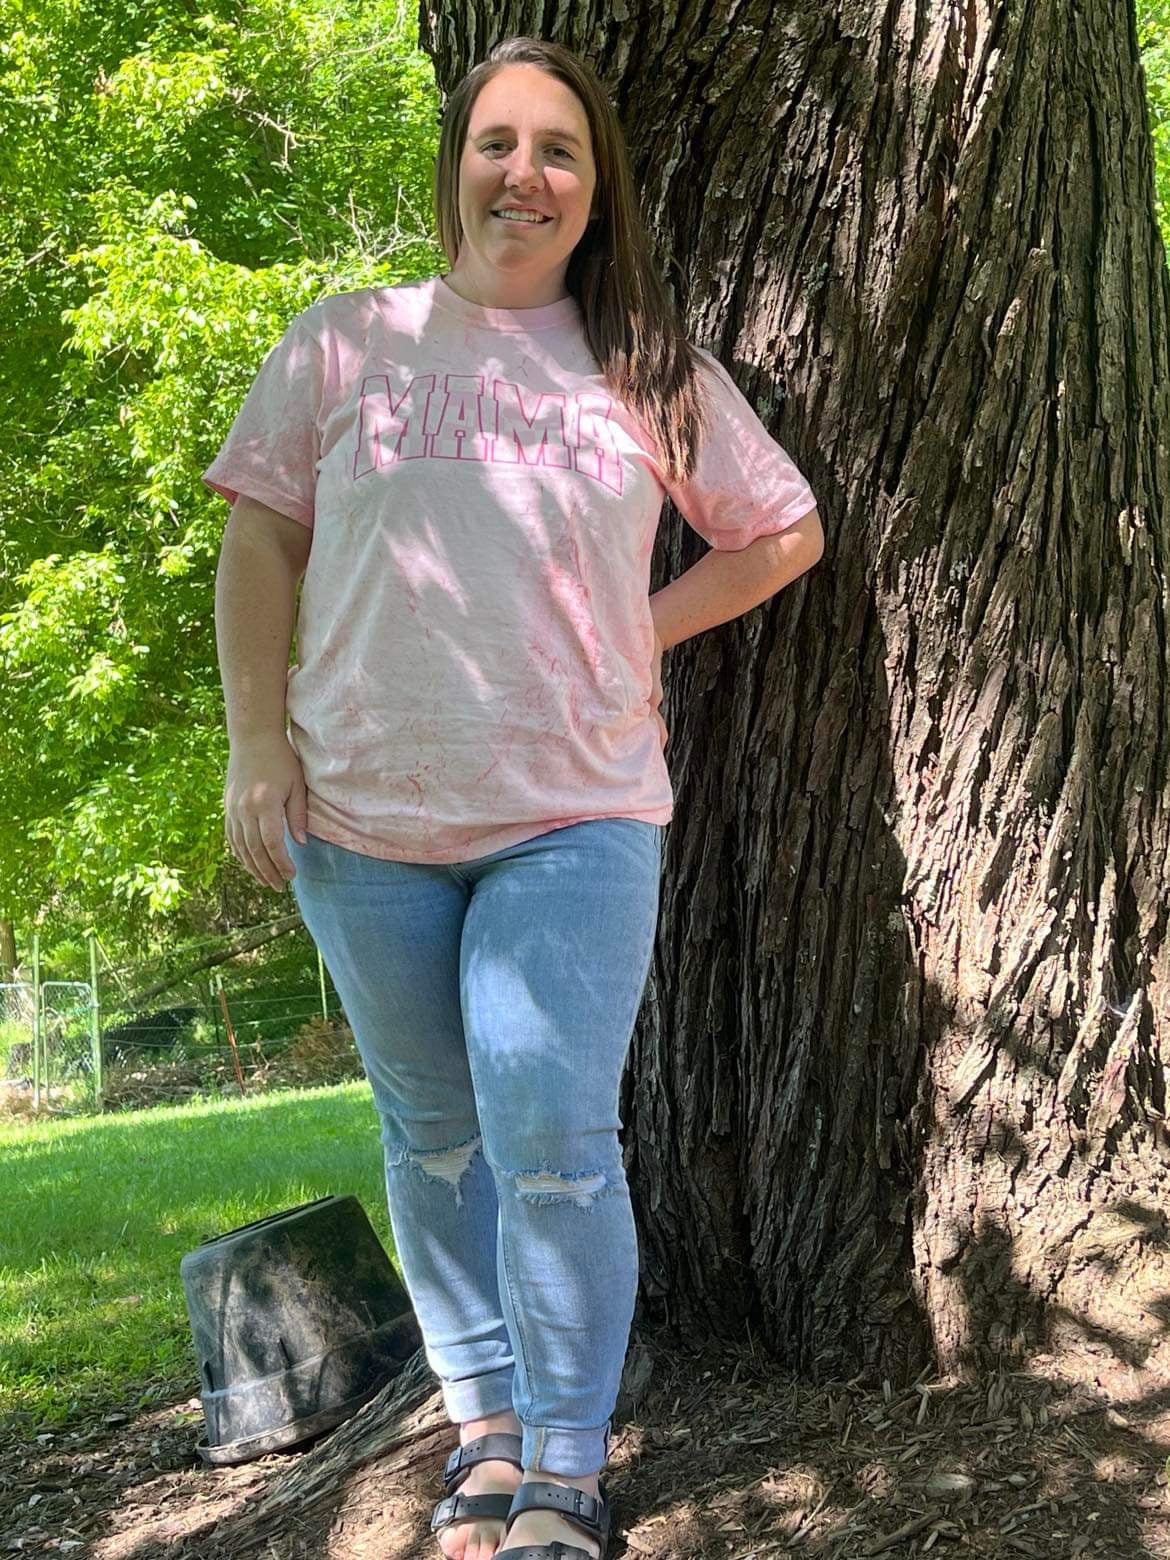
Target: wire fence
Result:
[[72, 1036]]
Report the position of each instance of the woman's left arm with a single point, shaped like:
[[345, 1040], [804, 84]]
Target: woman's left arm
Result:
[[724, 585]]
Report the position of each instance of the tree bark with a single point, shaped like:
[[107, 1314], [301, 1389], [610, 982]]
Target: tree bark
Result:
[[7, 948], [899, 1087]]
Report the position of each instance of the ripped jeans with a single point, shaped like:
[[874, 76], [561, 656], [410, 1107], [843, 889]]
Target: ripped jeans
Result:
[[493, 1002]]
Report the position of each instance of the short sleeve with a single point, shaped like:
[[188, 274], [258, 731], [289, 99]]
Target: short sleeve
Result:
[[273, 447], [744, 485]]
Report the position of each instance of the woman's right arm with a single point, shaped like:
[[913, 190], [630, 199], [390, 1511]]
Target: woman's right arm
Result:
[[263, 555]]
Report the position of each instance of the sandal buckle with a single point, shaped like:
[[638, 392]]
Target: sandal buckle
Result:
[[443, 1512]]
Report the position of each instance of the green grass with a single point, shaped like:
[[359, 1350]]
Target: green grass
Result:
[[97, 1212]]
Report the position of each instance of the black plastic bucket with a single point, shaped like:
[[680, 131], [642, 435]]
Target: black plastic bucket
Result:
[[297, 1319]]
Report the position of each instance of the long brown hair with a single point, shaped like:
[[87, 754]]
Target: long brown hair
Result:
[[630, 321]]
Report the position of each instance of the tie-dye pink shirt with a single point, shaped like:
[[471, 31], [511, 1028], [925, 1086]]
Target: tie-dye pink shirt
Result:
[[474, 637]]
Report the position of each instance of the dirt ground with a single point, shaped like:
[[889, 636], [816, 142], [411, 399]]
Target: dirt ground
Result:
[[717, 1453]]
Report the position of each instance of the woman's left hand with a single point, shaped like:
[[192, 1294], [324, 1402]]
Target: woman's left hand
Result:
[[656, 689]]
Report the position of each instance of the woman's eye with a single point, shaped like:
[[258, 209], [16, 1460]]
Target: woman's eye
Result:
[[564, 151]]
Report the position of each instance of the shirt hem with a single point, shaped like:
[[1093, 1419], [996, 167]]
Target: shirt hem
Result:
[[488, 843], [293, 509], [772, 524]]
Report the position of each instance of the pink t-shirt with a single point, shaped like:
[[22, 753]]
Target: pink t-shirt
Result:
[[474, 637]]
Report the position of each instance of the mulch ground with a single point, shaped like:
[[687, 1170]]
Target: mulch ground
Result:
[[718, 1453]]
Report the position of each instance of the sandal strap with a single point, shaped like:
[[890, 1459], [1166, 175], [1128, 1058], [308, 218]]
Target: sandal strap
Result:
[[554, 1551], [589, 1512], [458, 1508], [498, 1446]]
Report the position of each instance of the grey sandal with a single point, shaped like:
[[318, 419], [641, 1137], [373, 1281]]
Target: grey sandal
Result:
[[497, 1447], [588, 1512]]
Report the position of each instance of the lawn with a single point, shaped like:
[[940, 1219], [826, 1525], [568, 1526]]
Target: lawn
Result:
[[98, 1211]]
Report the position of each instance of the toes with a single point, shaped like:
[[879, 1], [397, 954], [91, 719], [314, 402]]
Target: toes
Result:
[[481, 1545], [452, 1543], [470, 1541]]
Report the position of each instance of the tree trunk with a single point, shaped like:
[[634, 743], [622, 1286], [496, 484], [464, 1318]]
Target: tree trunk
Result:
[[899, 1085], [7, 949]]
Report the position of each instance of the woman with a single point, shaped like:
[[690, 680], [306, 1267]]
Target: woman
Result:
[[469, 472]]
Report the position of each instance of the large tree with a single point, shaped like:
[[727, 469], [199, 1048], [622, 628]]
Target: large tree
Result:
[[900, 1083]]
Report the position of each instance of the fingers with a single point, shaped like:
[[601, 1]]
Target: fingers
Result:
[[265, 784], [264, 838], [258, 845]]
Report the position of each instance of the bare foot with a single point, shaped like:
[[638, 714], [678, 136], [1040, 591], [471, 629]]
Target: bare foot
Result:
[[478, 1538], [542, 1527]]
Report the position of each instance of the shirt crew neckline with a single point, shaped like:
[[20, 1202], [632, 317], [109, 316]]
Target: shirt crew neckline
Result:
[[565, 311]]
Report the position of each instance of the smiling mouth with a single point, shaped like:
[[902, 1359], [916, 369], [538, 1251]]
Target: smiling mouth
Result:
[[522, 221]]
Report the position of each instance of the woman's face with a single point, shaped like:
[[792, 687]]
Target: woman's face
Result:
[[528, 145]]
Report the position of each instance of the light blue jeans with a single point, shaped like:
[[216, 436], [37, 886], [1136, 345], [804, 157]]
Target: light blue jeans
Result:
[[493, 1003]]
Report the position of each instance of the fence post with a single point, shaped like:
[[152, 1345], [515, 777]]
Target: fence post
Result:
[[95, 1023], [36, 1047], [231, 1033], [211, 987], [321, 978]]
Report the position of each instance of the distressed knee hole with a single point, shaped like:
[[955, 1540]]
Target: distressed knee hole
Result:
[[544, 1186], [447, 1164]]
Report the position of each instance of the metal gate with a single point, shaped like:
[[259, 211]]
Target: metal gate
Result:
[[47, 1043]]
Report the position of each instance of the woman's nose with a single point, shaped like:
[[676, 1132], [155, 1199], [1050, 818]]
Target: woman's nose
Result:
[[523, 167]]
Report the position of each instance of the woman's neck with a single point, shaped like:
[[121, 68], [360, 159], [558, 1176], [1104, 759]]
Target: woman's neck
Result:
[[508, 292]]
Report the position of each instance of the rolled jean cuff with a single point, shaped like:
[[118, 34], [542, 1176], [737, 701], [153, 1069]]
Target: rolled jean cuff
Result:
[[576, 1453], [478, 1396]]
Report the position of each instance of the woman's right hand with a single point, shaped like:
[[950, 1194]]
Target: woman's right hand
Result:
[[265, 785]]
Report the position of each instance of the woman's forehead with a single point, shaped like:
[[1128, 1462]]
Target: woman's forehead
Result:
[[518, 92]]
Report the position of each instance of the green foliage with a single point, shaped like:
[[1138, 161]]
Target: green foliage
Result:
[[1153, 29], [177, 187]]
